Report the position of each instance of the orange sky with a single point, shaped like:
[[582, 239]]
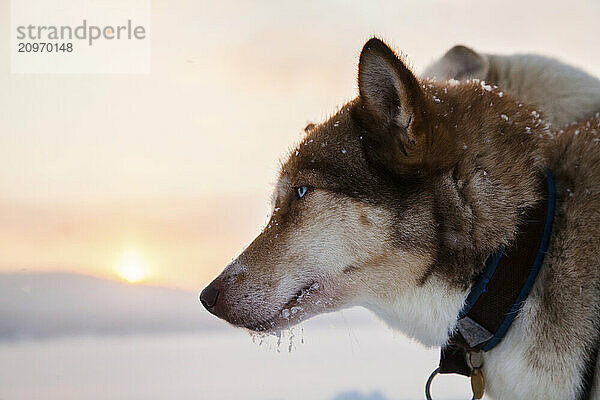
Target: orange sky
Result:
[[178, 164]]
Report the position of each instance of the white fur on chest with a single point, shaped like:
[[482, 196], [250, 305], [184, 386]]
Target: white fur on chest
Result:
[[428, 314], [510, 376], [509, 370]]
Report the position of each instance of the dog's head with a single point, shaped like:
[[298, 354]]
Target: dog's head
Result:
[[365, 211], [461, 63]]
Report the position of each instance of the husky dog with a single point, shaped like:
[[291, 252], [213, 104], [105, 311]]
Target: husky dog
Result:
[[567, 94], [397, 200]]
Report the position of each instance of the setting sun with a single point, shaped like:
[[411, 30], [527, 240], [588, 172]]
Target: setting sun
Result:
[[132, 268]]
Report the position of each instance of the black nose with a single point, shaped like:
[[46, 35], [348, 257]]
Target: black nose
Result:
[[208, 297]]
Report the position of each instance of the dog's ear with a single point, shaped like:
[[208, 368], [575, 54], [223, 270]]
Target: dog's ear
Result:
[[460, 62], [392, 112]]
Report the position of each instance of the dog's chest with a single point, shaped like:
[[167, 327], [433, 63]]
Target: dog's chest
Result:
[[510, 372]]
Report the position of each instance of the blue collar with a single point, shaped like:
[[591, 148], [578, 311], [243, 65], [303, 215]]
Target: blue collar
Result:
[[497, 295], [481, 286]]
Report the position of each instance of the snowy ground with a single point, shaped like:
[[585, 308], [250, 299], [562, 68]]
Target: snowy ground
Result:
[[339, 360], [99, 340]]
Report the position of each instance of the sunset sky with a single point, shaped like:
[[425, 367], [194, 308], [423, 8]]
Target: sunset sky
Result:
[[170, 172]]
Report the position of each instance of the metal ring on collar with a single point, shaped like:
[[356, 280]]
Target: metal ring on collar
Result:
[[428, 385]]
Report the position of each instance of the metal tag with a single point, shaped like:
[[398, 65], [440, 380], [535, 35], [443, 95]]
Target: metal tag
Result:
[[477, 383]]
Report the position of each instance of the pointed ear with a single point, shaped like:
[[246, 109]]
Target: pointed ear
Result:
[[460, 62], [392, 111]]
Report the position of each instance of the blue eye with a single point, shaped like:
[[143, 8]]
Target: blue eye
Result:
[[301, 191]]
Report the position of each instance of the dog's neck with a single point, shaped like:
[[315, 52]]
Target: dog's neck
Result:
[[497, 176], [480, 204]]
